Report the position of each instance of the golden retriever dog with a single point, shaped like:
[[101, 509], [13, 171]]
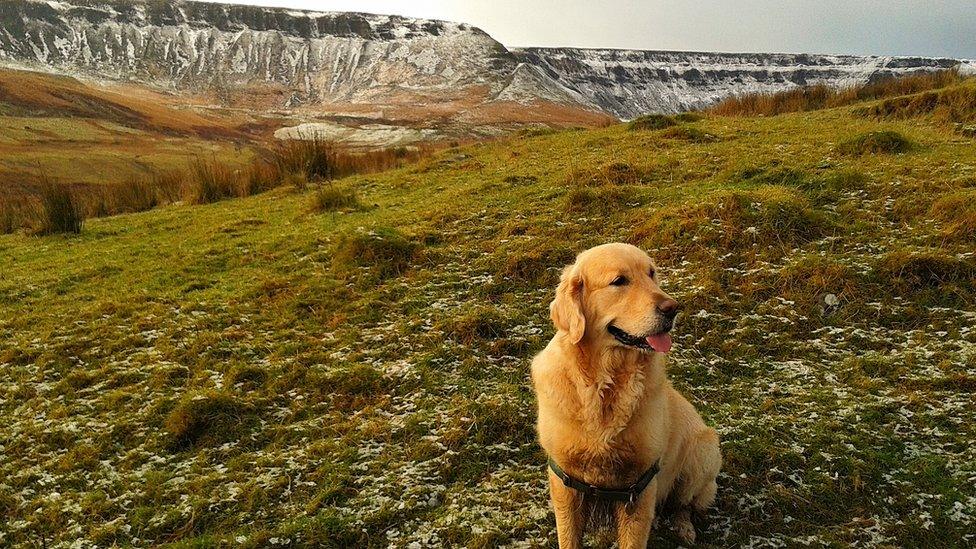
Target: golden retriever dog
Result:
[[620, 439]]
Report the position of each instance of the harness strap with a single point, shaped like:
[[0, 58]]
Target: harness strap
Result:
[[628, 495]]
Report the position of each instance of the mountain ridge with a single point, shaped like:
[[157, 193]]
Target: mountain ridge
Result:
[[341, 61]]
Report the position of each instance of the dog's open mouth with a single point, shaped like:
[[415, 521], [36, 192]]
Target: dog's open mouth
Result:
[[660, 342]]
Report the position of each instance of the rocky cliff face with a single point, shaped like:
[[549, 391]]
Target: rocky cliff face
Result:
[[315, 59], [628, 83]]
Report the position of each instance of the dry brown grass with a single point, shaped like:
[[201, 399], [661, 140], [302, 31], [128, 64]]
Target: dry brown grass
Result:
[[958, 211], [26, 93], [765, 219], [823, 97], [61, 210], [331, 198], [614, 173], [320, 160], [956, 104], [291, 163], [879, 142]]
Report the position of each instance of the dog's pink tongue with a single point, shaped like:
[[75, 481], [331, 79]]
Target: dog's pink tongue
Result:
[[660, 342]]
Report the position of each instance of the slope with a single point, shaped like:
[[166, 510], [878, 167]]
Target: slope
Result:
[[252, 373]]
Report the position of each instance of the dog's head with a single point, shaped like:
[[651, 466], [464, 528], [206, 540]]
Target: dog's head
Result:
[[610, 296]]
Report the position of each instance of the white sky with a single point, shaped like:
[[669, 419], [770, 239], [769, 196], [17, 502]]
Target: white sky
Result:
[[884, 27]]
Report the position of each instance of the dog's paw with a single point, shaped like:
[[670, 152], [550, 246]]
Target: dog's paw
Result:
[[684, 529]]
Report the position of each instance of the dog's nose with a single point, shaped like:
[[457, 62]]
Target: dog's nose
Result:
[[668, 308]]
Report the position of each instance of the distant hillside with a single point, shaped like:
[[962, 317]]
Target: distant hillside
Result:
[[394, 67], [60, 128]]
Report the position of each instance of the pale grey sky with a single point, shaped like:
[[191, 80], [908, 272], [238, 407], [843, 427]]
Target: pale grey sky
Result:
[[883, 27]]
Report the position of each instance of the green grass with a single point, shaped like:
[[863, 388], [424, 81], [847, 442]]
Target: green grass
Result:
[[250, 372], [330, 198], [877, 142], [651, 122]]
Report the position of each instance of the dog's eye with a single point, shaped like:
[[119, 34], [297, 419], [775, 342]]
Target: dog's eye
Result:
[[651, 273], [619, 281]]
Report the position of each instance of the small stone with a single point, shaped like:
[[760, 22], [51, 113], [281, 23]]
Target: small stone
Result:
[[831, 300]]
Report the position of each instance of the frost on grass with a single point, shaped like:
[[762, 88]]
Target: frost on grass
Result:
[[399, 414]]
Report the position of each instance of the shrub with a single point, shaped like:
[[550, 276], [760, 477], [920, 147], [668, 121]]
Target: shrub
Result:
[[651, 122], [879, 142], [331, 198], [61, 209], [385, 251]]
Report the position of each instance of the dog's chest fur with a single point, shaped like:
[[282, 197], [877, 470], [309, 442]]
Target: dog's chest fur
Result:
[[610, 401]]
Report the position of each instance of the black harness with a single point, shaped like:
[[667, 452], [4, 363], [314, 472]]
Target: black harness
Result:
[[628, 495]]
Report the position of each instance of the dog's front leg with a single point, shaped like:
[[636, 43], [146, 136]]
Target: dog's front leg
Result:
[[568, 507], [634, 521]]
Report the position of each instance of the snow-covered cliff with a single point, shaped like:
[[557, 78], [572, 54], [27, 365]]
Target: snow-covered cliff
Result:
[[313, 58], [628, 83], [195, 45]]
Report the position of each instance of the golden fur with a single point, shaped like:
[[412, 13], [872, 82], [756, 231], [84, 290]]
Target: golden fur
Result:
[[607, 410]]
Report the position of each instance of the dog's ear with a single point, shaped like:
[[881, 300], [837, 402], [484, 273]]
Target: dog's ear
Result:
[[566, 310]]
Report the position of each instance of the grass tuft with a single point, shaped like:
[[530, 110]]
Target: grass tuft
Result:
[[910, 270], [204, 419], [956, 104], [615, 173], [879, 142], [768, 217], [690, 116], [604, 199], [651, 122], [330, 198], [823, 97], [691, 135], [211, 181], [62, 210], [478, 323], [958, 211], [385, 251], [312, 158]]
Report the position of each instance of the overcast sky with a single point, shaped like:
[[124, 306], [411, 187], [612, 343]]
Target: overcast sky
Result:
[[884, 27]]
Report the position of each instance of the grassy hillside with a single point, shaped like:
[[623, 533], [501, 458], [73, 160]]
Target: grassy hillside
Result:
[[84, 134], [304, 369]]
